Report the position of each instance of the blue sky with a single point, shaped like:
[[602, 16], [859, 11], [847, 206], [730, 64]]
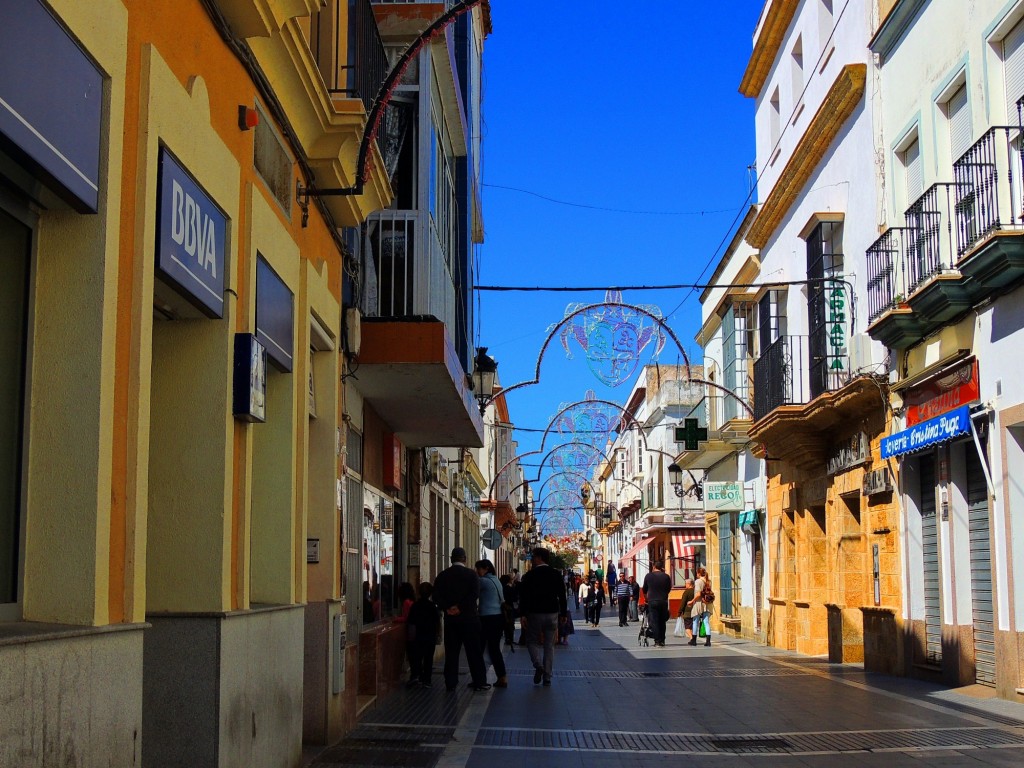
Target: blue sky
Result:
[[635, 118]]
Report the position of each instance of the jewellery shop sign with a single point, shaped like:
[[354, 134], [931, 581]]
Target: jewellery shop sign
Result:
[[927, 433]]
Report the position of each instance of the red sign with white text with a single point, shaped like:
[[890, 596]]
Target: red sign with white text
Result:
[[958, 386]]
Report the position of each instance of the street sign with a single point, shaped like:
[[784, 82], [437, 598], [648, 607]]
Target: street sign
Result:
[[491, 538]]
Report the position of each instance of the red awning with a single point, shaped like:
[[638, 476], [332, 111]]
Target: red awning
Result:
[[637, 547], [686, 539]]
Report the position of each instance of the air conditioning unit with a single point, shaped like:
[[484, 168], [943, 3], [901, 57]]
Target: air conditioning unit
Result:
[[861, 354], [353, 330]]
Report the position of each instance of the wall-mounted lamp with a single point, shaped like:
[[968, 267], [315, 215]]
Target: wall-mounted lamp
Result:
[[485, 369], [675, 476]]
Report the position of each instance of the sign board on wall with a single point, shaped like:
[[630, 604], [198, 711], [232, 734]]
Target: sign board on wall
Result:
[[956, 387], [275, 317], [927, 433], [848, 453], [249, 386], [723, 496], [877, 481], [191, 238], [51, 103]]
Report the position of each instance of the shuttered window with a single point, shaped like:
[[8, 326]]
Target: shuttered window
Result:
[[913, 173], [959, 123], [1013, 70]]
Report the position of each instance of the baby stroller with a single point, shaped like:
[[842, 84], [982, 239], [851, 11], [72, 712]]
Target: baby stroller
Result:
[[646, 633]]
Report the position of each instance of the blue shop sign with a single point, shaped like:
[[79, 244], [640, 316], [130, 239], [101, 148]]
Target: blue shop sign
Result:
[[931, 432], [51, 103], [275, 317], [191, 237]]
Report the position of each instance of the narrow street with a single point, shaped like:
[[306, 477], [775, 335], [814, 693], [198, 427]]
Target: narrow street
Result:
[[735, 703]]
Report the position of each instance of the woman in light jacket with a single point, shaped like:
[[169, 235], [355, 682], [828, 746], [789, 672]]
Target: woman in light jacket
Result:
[[492, 620], [699, 610]]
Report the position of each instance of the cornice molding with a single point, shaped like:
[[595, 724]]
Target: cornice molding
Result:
[[766, 49], [840, 102]]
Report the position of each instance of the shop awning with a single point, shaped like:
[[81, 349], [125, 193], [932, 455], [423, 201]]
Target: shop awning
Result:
[[747, 518], [687, 538], [932, 432], [642, 544]]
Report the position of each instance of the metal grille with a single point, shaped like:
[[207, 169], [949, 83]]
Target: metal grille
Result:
[[931, 249], [784, 743], [988, 187], [826, 309]]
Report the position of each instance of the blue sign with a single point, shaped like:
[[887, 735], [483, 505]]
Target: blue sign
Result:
[[275, 321], [937, 430], [51, 99], [191, 238], [249, 388]]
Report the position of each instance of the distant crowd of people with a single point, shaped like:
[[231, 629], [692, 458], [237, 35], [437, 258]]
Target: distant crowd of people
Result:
[[479, 611]]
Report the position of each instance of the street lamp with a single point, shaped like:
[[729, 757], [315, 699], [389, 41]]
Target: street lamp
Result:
[[675, 476], [485, 369]]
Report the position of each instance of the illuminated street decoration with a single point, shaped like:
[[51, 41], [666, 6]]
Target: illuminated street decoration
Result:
[[588, 421], [612, 335]]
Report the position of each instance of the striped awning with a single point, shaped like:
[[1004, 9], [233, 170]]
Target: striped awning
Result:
[[686, 538]]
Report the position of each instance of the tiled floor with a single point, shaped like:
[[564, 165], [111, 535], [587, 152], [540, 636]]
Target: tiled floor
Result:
[[613, 702]]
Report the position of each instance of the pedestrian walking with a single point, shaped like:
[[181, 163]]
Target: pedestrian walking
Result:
[[622, 595], [541, 603], [492, 619], [511, 610], [583, 596], [683, 620], [576, 582], [701, 606], [634, 599], [421, 627], [657, 585], [456, 591]]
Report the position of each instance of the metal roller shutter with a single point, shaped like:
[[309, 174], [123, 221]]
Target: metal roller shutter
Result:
[[914, 171], [982, 612], [959, 123], [1013, 70], [930, 548]]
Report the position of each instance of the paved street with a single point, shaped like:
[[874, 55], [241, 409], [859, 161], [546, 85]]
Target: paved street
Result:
[[735, 703]]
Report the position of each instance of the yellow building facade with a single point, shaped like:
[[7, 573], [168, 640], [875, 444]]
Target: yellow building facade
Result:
[[171, 434]]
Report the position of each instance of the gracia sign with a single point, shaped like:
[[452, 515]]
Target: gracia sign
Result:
[[931, 432]]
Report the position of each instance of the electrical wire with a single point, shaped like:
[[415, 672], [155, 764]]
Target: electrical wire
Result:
[[603, 208]]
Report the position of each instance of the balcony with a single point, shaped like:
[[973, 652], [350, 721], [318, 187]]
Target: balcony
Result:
[[799, 401], [962, 245], [322, 80], [409, 367], [727, 423]]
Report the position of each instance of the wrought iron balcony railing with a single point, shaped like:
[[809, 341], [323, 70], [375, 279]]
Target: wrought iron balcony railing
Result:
[[787, 373], [988, 187], [886, 267], [352, 59], [932, 247]]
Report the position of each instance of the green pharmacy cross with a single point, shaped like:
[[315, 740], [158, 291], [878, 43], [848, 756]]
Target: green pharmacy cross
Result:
[[691, 434]]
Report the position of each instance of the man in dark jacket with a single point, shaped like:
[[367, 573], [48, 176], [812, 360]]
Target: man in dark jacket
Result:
[[657, 585], [456, 591], [541, 604]]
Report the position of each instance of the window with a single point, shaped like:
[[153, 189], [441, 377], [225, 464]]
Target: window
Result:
[[826, 22], [354, 450], [826, 309], [797, 70], [773, 120], [913, 173], [1013, 71], [771, 319], [15, 258], [737, 348], [958, 118]]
